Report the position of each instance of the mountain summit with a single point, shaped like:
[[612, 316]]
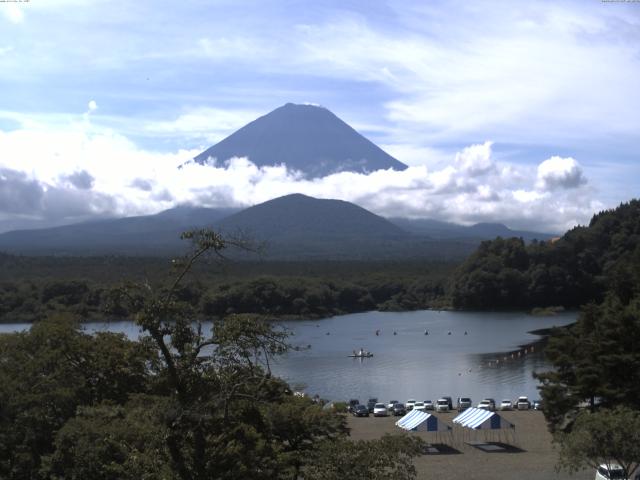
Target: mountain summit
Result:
[[307, 138]]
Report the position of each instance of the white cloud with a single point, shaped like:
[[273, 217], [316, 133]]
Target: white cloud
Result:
[[476, 159], [558, 173], [93, 171], [512, 74]]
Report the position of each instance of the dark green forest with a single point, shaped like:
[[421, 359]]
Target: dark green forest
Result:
[[31, 288], [574, 270]]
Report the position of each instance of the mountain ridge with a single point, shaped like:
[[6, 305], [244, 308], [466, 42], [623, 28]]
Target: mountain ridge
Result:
[[294, 226]]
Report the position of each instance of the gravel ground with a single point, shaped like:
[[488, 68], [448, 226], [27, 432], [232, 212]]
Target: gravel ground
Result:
[[531, 456]]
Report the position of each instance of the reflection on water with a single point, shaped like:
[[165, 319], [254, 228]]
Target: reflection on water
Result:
[[487, 361]]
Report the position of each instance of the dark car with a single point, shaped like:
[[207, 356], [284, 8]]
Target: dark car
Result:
[[464, 403], [352, 404], [371, 403], [360, 411], [398, 410]]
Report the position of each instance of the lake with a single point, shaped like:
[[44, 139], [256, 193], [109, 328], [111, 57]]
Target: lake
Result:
[[486, 362]]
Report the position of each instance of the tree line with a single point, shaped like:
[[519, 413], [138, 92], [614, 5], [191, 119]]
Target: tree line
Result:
[[277, 296]]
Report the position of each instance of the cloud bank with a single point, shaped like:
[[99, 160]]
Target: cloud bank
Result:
[[77, 171]]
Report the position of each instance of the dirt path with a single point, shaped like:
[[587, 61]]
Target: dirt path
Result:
[[533, 457]]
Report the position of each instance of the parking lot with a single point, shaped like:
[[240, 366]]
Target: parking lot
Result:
[[531, 457]]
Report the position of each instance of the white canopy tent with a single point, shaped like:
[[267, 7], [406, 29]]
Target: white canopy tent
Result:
[[480, 419], [418, 421]]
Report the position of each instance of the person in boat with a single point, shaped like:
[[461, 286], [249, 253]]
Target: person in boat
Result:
[[377, 332], [426, 332], [354, 353]]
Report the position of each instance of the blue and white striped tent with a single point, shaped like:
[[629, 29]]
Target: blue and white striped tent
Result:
[[480, 419], [419, 421]]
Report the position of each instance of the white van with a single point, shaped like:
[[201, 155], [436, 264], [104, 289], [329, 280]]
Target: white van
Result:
[[442, 405]]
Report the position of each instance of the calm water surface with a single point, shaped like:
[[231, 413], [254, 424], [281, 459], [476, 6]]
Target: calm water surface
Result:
[[411, 364], [486, 362]]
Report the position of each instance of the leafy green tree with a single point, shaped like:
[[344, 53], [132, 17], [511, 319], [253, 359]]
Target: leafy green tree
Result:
[[219, 386], [112, 442], [597, 360], [602, 437], [390, 458], [298, 425], [47, 373]]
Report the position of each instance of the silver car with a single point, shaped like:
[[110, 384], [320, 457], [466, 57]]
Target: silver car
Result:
[[380, 410], [419, 406], [487, 404]]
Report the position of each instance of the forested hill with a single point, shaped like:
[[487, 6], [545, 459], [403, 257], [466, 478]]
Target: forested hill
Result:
[[576, 269]]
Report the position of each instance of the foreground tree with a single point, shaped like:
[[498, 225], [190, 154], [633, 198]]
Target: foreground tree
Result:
[[107, 441], [390, 458], [47, 373], [603, 437], [597, 361]]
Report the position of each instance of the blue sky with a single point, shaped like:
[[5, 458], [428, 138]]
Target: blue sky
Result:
[[521, 112]]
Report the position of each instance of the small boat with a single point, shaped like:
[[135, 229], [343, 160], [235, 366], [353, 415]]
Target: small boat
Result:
[[361, 354]]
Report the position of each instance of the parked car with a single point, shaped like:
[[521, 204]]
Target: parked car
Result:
[[506, 405], [487, 404], [360, 411], [463, 403], [391, 404], [352, 404], [399, 410], [610, 472], [428, 405], [380, 410], [371, 403], [442, 405], [449, 401], [537, 404], [410, 403], [523, 403], [419, 406]]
